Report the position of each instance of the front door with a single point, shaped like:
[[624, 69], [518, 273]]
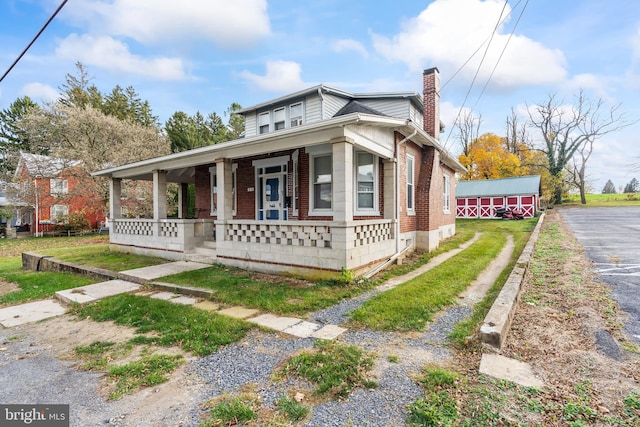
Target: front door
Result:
[[272, 197]]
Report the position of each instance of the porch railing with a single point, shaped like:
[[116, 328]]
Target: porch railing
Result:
[[166, 234]]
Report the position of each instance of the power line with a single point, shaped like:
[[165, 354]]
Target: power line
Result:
[[484, 55], [34, 39], [501, 53]]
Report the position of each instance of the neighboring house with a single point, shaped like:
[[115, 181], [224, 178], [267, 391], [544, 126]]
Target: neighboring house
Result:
[[481, 198], [52, 190], [322, 180]]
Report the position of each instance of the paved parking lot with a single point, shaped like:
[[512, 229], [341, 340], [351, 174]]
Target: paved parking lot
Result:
[[611, 237]]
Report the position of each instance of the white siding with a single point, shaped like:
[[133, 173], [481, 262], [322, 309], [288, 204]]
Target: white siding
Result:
[[416, 116], [250, 125], [312, 109], [399, 108], [332, 104]]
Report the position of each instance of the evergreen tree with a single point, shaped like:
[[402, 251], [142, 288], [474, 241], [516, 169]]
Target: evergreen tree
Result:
[[609, 188], [632, 186], [13, 137]]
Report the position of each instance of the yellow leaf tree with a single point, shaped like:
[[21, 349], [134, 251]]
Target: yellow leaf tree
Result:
[[488, 158]]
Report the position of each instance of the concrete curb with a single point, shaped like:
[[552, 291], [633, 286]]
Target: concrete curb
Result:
[[497, 323]]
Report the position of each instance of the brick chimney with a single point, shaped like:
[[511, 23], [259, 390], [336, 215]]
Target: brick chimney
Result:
[[431, 100]]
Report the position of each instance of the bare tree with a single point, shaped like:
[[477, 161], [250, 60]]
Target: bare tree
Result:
[[565, 129], [467, 129], [516, 133], [578, 167]]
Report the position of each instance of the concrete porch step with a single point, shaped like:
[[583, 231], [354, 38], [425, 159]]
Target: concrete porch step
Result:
[[209, 244]]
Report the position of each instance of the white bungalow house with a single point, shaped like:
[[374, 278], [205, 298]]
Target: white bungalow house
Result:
[[322, 180]]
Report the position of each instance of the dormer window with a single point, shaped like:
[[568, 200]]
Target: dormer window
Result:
[[295, 112], [279, 118], [263, 122]]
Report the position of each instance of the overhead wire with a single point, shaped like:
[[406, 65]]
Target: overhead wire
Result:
[[33, 40], [475, 76], [501, 54]]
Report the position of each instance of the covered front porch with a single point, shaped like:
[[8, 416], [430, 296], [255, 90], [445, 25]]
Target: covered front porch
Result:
[[256, 207]]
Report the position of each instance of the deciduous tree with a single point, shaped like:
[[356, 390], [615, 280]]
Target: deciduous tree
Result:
[[489, 159], [564, 129]]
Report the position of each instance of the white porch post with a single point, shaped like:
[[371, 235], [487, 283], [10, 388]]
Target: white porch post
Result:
[[159, 194], [183, 191], [342, 202], [225, 190], [115, 198]]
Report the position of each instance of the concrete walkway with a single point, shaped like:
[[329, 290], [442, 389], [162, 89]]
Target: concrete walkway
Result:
[[40, 310]]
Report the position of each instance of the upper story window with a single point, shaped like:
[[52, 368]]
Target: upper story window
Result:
[[295, 112], [59, 186], [410, 183], [281, 118], [264, 122]]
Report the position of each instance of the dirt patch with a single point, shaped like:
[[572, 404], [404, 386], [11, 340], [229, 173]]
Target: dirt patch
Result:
[[6, 287]]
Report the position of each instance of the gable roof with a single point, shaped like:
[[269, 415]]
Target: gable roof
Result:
[[414, 97], [41, 166], [515, 186]]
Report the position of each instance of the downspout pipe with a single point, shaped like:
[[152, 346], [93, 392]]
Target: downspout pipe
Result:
[[399, 251]]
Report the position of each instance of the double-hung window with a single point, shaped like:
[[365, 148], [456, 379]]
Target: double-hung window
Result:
[[59, 186], [279, 118], [59, 212], [295, 114], [264, 120], [446, 193], [322, 182], [411, 194], [365, 181]]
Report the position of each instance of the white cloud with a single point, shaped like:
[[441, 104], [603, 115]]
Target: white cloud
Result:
[[591, 82], [230, 24], [40, 91], [350, 45], [448, 32], [114, 55], [281, 76]]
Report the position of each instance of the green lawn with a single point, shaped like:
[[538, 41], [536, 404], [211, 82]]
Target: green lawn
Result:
[[599, 200], [411, 305], [195, 330], [34, 285], [102, 257], [287, 297]]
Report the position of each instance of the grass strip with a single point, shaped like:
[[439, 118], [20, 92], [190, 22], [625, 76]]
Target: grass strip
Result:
[[411, 305], [146, 372], [284, 296], [195, 330], [335, 368], [101, 256], [35, 285]]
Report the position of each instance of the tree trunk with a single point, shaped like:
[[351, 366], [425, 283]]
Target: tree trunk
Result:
[[557, 195]]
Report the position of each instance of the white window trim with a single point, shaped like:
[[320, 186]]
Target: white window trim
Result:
[[411, 210], [289, 117], [312, 210], [446, 193], [55, 208], [375, 211], [269, 115], [54, 183]]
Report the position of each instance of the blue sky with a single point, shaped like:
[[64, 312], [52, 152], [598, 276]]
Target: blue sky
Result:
[[200, 55]]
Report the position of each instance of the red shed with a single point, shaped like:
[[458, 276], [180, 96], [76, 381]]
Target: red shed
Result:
[[480, 199]]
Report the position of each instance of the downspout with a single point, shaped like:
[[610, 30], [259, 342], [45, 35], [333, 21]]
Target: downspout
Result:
[[399, 251], [35, 185]]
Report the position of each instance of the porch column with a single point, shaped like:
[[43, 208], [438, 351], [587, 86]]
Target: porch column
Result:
[[225, 189], [159, 194], [342, 202], [183, 200], [115, 198]]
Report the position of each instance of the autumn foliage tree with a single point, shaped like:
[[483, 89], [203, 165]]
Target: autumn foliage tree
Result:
[[488, 158]]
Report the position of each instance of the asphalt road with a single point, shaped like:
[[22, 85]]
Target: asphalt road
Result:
[[611, 238]]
